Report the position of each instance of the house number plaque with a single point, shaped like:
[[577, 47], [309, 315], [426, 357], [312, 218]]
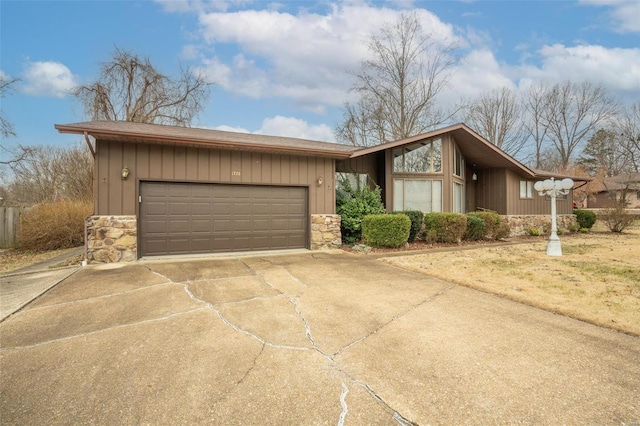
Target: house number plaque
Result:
[[236, 173]]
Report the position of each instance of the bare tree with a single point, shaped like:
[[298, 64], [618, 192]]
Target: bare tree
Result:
[[398, 85], [496, 115], [129, 88], [6, 127], [628, 126], [534, 105], [572, 112], [47, 174]]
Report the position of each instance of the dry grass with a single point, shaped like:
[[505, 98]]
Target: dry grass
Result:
[[12, 259], [596, 280]]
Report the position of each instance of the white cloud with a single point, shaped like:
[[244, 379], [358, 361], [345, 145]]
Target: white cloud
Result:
[[624, 13], [617, 69], [48, 79], [296, 128], [289, 127], [303, 57]]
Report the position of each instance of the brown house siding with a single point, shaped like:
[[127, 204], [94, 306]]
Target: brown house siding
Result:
[[491, 190], [172, 163], [532, 206]]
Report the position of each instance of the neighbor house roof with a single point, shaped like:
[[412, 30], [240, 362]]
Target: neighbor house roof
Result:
[[204, 138], [625, 181]]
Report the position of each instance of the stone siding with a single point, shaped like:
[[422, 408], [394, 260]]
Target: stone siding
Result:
[[519, 225], [325, 231], [112, 239]]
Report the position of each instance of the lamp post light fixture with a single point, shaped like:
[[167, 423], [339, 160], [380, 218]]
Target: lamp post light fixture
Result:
[[553, 188]]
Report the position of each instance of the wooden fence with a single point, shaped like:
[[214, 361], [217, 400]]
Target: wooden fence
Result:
[[9, 225]]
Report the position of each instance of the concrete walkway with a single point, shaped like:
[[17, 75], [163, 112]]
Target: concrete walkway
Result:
[[312, 338], [23, 285]]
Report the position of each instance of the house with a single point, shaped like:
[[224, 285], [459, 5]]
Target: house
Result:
[[165, 190], [614, 188]]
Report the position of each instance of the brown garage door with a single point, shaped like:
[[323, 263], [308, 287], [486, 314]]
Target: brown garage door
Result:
[[184, 218]]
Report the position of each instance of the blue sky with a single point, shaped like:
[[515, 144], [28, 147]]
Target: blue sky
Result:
[[281, 67]]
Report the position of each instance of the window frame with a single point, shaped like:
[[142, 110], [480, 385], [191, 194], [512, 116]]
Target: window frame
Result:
[[528, 190], [403, 152], [439, 208]]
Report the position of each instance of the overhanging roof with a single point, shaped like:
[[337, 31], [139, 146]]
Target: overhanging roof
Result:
[[204, 138]]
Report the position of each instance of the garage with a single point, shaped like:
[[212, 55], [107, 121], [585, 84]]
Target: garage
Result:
[[191, 218]]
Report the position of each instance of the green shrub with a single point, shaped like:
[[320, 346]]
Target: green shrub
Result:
[[448, 227], [476, 229], [352, 205], [52, 226], [491, 223], [584, 230], [586, 218], [386, 230], [416, 217], [534, 232], [573, 227]]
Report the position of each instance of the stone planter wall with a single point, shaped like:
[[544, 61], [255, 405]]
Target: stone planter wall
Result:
[[112, 239], [520, 224], [325, 231]]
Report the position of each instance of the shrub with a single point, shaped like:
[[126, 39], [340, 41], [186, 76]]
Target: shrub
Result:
[[352, 205], [416, 217], [617, 218], [52, 226], [534, 232], [503, 231], [573, 227], [586, 218], [386, 230], [476, 229], [491, 223], [448, 227]]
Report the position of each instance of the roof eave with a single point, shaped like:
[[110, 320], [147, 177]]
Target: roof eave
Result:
[[204, 143]]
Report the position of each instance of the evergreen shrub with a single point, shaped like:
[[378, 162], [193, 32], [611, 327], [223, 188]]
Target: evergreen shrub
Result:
[[386, 230], [448, 227]]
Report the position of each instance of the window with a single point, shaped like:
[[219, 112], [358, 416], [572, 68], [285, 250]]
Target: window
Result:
[[458, 197], [421, 157], [417, 194], [458, 163], [526, 189], [355, 180]]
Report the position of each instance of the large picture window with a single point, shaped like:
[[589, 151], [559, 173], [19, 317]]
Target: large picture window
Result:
[[420, 157], [458, 163], [417, 194]]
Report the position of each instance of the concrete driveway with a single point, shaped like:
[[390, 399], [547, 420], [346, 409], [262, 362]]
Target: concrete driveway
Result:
[[313, 338]]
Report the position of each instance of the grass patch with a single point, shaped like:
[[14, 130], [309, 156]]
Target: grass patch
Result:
[[596, 280]]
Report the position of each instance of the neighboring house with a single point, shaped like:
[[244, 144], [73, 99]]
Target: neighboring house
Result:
[[614, 188], [165, 190]]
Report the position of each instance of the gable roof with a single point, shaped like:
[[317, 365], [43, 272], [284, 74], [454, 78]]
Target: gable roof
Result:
[[204, 138], [476, 150]]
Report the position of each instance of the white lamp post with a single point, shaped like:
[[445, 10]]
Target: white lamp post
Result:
[[553, 188]]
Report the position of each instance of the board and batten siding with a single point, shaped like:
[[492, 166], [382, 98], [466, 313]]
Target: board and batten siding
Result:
[[151, 162], [532, 206], [491, 190]]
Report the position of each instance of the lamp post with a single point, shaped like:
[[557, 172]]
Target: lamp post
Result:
[[553, 188]]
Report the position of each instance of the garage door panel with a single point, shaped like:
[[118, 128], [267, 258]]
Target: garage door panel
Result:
[[180, 218]]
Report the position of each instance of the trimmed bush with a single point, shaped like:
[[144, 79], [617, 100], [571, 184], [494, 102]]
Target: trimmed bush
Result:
[[448, 227], [492, 222], [416, 217], [52, 226], [386, 230], [475, 228], [586, 218], [502, 232], [352, 205], [573, 227]]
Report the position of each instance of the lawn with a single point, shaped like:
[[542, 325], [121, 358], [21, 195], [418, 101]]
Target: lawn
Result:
[[596, 280], [13, 259]]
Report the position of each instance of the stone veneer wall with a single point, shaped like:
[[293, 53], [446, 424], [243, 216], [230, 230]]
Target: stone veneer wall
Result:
[[112, 239], [325, 231], [520, 224]]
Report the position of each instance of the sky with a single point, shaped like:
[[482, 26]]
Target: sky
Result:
[[285, 67]]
